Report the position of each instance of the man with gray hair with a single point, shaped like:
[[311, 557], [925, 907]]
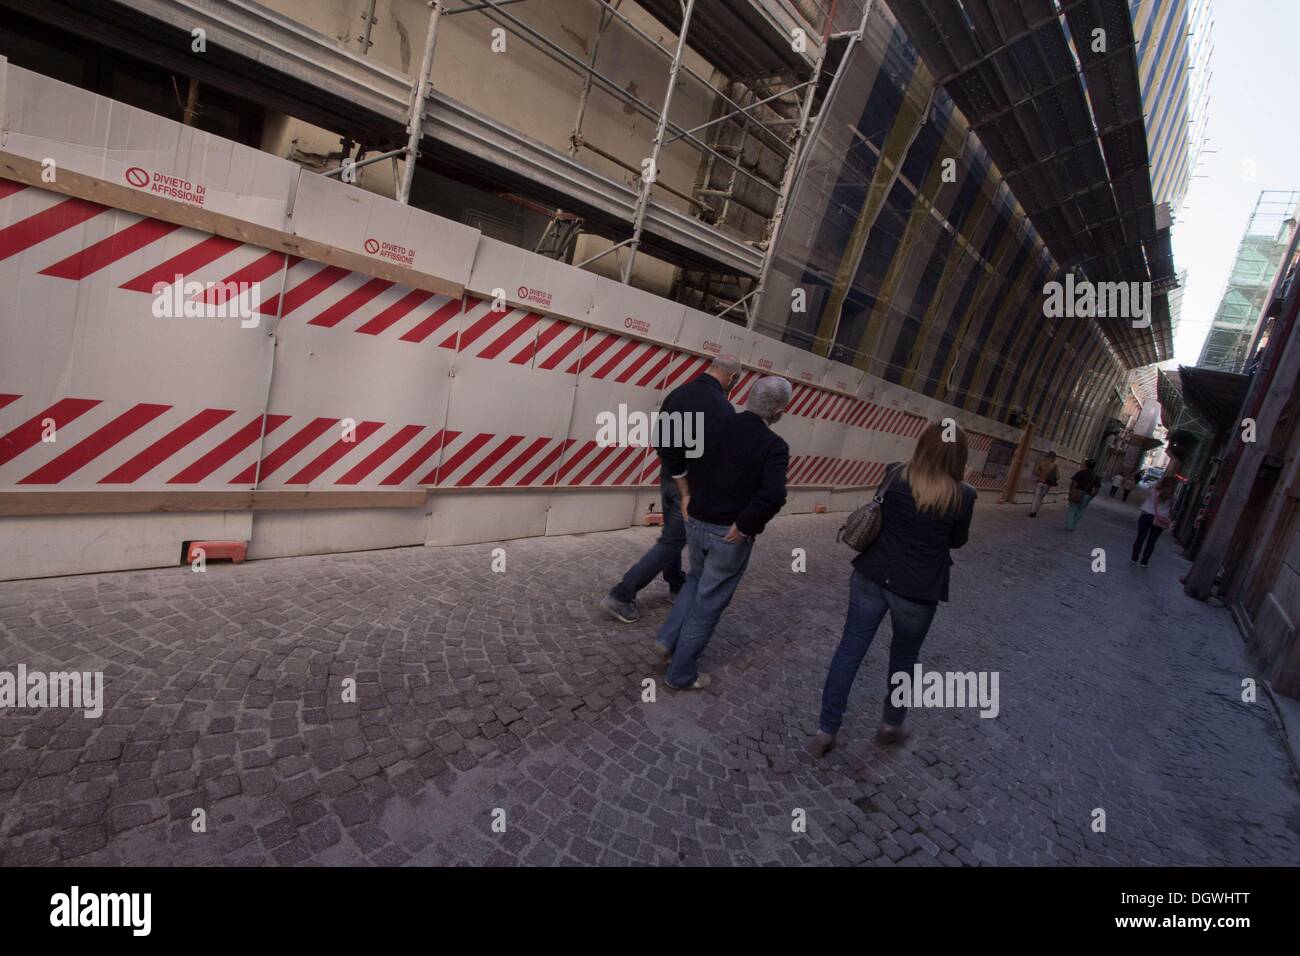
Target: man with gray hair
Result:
[[705, 397], [732, 491]]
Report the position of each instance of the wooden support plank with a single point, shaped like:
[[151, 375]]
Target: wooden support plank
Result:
[[69, 183]]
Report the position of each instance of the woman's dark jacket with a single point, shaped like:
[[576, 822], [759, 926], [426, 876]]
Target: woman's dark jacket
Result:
[[910, 556]]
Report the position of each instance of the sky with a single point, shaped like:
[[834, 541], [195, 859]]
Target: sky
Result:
[[1255, 75]]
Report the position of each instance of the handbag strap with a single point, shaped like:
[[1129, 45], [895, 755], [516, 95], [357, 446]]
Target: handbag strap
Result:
[[879, 496]]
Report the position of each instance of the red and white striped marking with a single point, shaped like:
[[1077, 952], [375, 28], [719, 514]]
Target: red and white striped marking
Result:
[[807, 401], [158, 444], [838, 472]]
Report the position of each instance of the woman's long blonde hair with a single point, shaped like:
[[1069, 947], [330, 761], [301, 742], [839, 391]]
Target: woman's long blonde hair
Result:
[[937, 468]]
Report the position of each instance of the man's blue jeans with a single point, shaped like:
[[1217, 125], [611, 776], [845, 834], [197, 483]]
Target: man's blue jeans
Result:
[[665, 557], [716, 569], [868, 603]]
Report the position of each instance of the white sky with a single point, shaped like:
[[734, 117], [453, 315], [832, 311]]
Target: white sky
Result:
[[1255, 77]]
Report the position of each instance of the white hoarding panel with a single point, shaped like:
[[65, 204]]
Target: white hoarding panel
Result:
[[512, 394], [389, 232], [699, 332], [530, 281], [362, 381], [844, 378], [767, 356], [808, 369], [734, 339], [94, 135], [115, 374], [622, 308]]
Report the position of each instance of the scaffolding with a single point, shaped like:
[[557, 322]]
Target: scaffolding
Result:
[[774, 64], [1268, 233], [770, 89]]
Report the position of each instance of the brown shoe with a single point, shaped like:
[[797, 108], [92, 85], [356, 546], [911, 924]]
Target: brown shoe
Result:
[[820, 745], [889, 735]]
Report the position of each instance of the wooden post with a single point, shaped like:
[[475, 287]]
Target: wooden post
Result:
[[1017, 463]]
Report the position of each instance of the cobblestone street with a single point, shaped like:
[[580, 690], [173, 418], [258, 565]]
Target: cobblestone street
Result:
[[481, 691]]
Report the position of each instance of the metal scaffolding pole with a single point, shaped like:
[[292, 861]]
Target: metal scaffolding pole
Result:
[[686, 67], [649, 175], [415, 119], [575, 138]]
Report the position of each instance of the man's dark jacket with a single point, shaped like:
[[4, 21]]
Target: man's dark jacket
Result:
[[703, 394], [740, 479], [910, 555]]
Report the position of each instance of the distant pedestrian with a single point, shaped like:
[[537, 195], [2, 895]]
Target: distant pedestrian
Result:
[[1084, 485], [705, 394], [1156, 516], [1115, 482], [1128, 485], [1045, 479], [926, 511], [731, 492]]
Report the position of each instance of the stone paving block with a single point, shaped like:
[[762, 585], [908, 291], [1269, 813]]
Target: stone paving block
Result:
[[475, 691]]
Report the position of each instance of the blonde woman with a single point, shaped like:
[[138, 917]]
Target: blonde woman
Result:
[[925, 513]]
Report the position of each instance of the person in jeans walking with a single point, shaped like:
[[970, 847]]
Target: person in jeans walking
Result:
[[732, 491], [926, 513], [1084, 485], [1045, 479], [707, 395], [1155, 517]]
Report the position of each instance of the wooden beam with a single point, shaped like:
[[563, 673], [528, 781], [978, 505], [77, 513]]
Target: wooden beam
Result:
[[23, 170]]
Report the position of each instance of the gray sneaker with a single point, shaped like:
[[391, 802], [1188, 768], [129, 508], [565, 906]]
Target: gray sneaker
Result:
[[625, 612]]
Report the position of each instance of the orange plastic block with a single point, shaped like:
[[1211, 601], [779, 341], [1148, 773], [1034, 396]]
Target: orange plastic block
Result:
[[654, 518], [819, 509], [234, 550]]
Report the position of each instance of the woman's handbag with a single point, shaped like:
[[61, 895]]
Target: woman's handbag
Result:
[[863, 526], [1076, 494]]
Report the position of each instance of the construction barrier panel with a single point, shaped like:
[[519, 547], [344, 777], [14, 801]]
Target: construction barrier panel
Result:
[[202, 341]]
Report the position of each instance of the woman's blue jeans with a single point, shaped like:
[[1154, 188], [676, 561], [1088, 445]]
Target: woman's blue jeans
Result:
[[868, 603]]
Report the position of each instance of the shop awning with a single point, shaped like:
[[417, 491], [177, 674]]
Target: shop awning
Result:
[[1217, 396]]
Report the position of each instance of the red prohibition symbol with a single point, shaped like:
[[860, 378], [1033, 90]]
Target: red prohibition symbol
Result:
[[372, 246], [137, 177]]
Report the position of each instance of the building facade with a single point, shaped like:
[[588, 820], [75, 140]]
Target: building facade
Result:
[[1175, 47]]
